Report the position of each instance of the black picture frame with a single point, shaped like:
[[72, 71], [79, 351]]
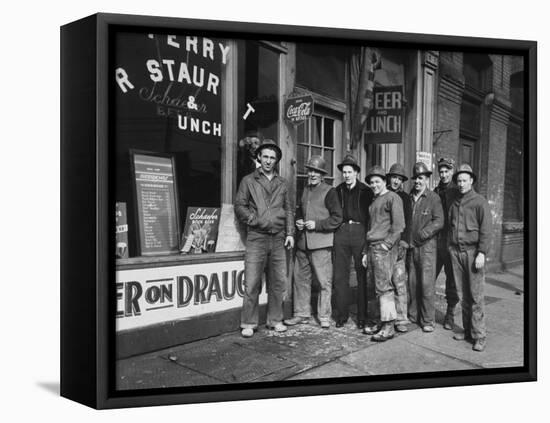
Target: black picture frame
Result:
[[87, 251]]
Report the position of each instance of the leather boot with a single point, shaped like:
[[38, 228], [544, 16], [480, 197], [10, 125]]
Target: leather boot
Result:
[[386, 333], [449, 321]]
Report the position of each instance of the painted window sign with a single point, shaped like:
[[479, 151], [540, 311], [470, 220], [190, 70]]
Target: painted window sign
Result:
[[385, 121], [176, 77], [157, 295]]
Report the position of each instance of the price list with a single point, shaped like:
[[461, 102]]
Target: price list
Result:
[[156, 202]]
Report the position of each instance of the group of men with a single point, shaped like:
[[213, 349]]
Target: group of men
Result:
[[402, 239]]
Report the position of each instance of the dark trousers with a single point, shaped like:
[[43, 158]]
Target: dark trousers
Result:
[[422, 283], [470, 285], [348, 242], [444, 261]]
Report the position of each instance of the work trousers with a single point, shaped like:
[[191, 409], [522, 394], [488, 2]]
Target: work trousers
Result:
[[470, 286], [264, 253], [422, 283], [318, 262], [444, 261], [348, 242], [380, 265], [399, 281]]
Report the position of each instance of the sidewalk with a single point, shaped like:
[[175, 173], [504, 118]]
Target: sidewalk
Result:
[[308, 352]]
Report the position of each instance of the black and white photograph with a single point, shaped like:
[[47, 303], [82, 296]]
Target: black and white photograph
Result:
[[372, 199], [278, 211]]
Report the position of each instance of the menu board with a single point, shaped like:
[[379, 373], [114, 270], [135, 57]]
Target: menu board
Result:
[[156, 203]]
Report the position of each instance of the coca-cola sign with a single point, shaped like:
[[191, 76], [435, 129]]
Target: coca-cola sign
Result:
[[298, 109]]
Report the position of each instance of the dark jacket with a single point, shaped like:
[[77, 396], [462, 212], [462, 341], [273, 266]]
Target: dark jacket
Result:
[[263, 205], [447, 193], [470, 222], [427, 218], [363, 202], [320, 204], [407, 213]]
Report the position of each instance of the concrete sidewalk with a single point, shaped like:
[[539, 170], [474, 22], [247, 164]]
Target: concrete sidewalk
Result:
[[308, 352]]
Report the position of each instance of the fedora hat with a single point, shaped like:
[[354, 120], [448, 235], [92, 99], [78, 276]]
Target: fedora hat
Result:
[[267, 143], [349, 160]]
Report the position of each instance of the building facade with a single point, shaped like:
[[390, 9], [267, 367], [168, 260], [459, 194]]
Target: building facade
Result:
[[190, 109]]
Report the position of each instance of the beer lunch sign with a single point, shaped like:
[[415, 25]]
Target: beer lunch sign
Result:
[[385, 121], [162, 294], [298, 109]]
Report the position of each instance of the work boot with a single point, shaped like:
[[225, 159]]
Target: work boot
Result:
[[279, 327], [247, 332], [371, 329], [296, 320], [449, 321], [386, 333], [462, 336], [480, 344]]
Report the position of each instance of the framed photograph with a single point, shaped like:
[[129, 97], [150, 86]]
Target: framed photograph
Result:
[[255, 211]]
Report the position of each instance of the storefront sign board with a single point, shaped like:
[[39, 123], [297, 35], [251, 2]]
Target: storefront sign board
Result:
[[385, 121], [162, 294]]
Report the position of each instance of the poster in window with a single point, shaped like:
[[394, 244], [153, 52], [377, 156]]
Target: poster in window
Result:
[[201, 230], [156, 203]]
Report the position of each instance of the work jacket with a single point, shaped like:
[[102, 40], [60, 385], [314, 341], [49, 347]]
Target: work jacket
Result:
[[264, 205], [386, 220], [320, 204], [427, 218], [470, 222], [447, 193], [364, 199]]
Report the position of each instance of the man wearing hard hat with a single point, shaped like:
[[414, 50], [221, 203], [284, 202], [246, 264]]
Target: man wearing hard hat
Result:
[[319, 214], [447, 191], [386, 222], [395, 179], [469, 239], [426, 221]]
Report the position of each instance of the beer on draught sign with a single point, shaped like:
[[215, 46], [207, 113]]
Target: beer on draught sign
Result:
[[385, 121]]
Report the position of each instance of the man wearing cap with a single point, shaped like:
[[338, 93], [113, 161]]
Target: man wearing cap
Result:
[[426, 221], [349, 239], [469, 239], [395, 179], [447, 191], [386, 222], [319, 214], [263, 204]]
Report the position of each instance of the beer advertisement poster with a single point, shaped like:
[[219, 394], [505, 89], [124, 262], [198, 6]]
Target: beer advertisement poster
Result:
[[201, 230]]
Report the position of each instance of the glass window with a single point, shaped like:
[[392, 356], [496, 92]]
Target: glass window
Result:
[[321, 68], [258, 103], [167, 100], [315, 137]]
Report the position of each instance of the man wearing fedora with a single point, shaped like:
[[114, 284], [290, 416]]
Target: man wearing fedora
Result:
[[263, 204], [355, 198], [386, 222], [395, 179], [426, 221], [469, 239], [447, 191], [319, 214]]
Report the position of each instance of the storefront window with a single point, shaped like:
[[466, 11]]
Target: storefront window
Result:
[[315, 137], [258, 101], [167, 109]]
